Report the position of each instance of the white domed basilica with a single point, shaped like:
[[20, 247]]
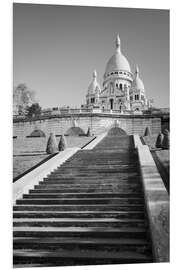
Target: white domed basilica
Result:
[[122, 90]]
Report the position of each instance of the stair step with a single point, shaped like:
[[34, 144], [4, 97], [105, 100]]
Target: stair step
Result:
[[80, 201], [69, 244], [75, 214], [43, 189], [108, 232], [92, 182], [97, 171], [121, 255], [52, 180], [96, 164], [61, 222], [103, 207], [96, 174], [83, 195], [113, 158], [102, 185], [76, 240]]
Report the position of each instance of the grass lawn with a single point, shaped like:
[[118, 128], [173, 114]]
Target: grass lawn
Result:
[[28, 152]]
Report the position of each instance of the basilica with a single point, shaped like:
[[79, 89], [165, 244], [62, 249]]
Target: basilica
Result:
[[122, 90]]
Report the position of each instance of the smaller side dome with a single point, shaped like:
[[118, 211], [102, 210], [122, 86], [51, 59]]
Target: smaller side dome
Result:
[[94, 87], [137, 82]]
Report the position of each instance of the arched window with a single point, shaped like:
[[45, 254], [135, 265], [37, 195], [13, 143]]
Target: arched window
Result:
[[120, 86], [92, 100]]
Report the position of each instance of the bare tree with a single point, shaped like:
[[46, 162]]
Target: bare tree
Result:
[[22, 98]]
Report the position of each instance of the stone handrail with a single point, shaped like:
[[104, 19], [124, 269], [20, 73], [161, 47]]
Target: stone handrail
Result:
[[92, 144], [137, 141], [27, 182], [157, 202]]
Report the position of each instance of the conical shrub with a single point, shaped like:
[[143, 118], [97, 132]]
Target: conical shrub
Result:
[[166, 141], [75, 131], [62, 143], [147, 132], [37, 133], [165, 131], [159, 140], [52, 147], [88, 132]]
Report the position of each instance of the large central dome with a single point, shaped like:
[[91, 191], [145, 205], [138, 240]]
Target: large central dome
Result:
[[118, 61]]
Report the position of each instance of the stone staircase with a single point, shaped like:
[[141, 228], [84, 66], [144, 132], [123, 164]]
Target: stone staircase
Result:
[[90, 210]]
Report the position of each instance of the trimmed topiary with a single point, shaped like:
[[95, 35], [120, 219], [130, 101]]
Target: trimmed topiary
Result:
[[52, 147], [165, 131], [166, 141], [88, 134], [159, 140], [37, 133], [75, 131], [147, 132], [62, 143], [116, 131]]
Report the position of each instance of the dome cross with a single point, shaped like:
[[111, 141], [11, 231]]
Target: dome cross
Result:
[[137, 70], [118, 44], [94, 74]]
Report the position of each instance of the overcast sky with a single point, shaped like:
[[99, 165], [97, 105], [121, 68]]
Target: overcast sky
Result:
[[56, 49]]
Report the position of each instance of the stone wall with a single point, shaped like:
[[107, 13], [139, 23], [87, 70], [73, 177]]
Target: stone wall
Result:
[[165, 124], [98, 123]]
